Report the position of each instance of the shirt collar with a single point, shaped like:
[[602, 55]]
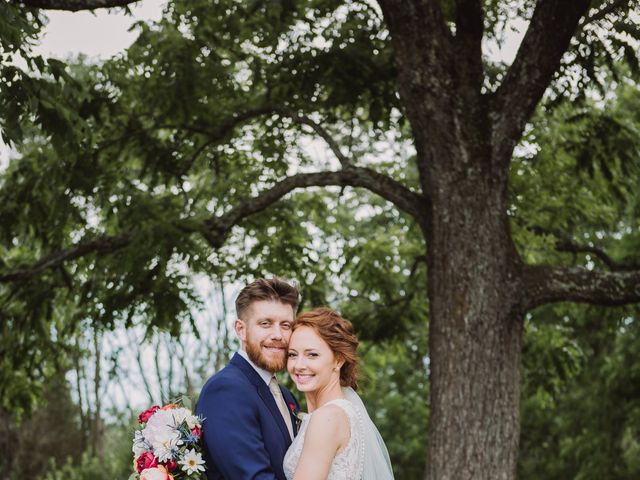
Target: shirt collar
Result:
[[264, 374]]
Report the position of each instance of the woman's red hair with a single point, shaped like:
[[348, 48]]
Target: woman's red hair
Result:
[[338, 333]]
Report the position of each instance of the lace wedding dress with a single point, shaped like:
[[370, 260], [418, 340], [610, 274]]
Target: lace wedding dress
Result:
[[349, 463]]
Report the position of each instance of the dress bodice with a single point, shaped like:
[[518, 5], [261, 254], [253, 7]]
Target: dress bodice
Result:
[[346, 465]]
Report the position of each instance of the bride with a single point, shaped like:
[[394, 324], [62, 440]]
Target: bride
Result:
[[337, 440]]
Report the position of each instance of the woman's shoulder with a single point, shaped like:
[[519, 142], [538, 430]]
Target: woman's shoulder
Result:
[[330, 412], [343, 406], [331, 418]]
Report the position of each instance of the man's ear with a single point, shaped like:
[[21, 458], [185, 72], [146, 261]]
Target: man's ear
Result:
[[241, 329]]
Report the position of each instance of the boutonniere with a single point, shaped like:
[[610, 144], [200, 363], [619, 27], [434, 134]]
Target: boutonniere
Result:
[[295, 411]]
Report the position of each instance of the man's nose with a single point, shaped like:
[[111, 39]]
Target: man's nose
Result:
[[276, 333]]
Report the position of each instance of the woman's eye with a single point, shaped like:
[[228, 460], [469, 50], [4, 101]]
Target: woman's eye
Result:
[[292, 355]]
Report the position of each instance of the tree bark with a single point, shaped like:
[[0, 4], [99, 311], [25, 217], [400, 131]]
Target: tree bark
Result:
[[76, 5], [96, 427], [475, 336]]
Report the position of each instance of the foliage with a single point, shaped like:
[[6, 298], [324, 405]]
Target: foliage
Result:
[[29, 446], [580, 396], [584, 161], [581, 401], [395, 392], [115, 462]]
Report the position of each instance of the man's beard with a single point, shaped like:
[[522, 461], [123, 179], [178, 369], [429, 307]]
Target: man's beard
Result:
[[255, 354]]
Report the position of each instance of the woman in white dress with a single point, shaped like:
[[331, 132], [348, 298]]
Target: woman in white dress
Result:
[[337, 439]]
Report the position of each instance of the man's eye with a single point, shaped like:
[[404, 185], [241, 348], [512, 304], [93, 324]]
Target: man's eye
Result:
[[286, 326]]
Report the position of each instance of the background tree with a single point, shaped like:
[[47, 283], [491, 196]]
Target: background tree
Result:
[[162, 158]]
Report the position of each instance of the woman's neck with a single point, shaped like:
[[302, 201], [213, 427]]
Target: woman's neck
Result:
[[318, 398]]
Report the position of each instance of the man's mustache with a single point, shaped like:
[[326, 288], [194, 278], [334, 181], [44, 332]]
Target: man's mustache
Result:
[[275, 345]]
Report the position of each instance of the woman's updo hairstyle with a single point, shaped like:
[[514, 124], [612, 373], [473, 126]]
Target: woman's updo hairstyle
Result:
[[338, 333]]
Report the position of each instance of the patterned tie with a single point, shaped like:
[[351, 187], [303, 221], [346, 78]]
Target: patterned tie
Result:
[[277, 395]]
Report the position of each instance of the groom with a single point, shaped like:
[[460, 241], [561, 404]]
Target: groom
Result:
[[249, 423]]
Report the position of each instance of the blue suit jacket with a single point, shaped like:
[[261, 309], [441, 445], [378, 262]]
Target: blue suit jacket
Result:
[[244, 434]]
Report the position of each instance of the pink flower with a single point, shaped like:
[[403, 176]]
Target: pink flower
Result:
[[158, 473], [147, 414], [197, 431], [170, 465], [169, 406], [146, 460]]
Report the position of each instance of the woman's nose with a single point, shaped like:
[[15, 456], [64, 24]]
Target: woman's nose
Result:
[[299, 364]]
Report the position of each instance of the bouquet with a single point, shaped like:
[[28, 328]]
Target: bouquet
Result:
[[167, 446]]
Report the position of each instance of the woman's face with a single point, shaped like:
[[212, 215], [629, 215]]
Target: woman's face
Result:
[[311, 363]]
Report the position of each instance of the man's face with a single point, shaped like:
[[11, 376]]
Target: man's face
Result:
[[265, 333]]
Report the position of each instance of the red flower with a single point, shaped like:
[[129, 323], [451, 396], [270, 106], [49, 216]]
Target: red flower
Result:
[[292, 407], [197, 431], [147, 414], [146, 460], [170, 465]]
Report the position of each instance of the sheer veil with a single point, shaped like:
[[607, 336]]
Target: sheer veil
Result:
[[377, 465]]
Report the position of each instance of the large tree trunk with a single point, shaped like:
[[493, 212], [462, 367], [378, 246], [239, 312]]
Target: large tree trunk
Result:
[[475, 333], [474, 272]]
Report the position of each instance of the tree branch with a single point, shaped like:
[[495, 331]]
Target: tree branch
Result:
[[76, 5], [319, 129], [552, 26], [388, 188], [468, 42], [216, 230], [608, 9], [222, 131], [546, 284], [565, 244], [569, 246], [103, 244]]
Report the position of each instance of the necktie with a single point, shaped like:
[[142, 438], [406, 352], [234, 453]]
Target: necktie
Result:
[[277, 395]]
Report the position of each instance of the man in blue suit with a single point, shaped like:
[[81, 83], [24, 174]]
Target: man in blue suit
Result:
[[249, 419]]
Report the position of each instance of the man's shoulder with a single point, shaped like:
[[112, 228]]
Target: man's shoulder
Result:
[[230, 375], [229, 388], [232, 378]]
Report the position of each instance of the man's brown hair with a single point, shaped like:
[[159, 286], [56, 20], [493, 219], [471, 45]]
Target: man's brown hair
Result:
[[275, 289]]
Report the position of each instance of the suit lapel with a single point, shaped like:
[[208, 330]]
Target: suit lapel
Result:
[[288, 398], [264, 393]]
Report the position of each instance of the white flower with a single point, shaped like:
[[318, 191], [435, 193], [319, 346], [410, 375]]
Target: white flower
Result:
[[193, 421], [161, 433], [179, 415], [172, 417], [192, 462], [165, 448], [140, 445]]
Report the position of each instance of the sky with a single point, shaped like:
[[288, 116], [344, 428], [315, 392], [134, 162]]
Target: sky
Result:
[[99, 35]]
